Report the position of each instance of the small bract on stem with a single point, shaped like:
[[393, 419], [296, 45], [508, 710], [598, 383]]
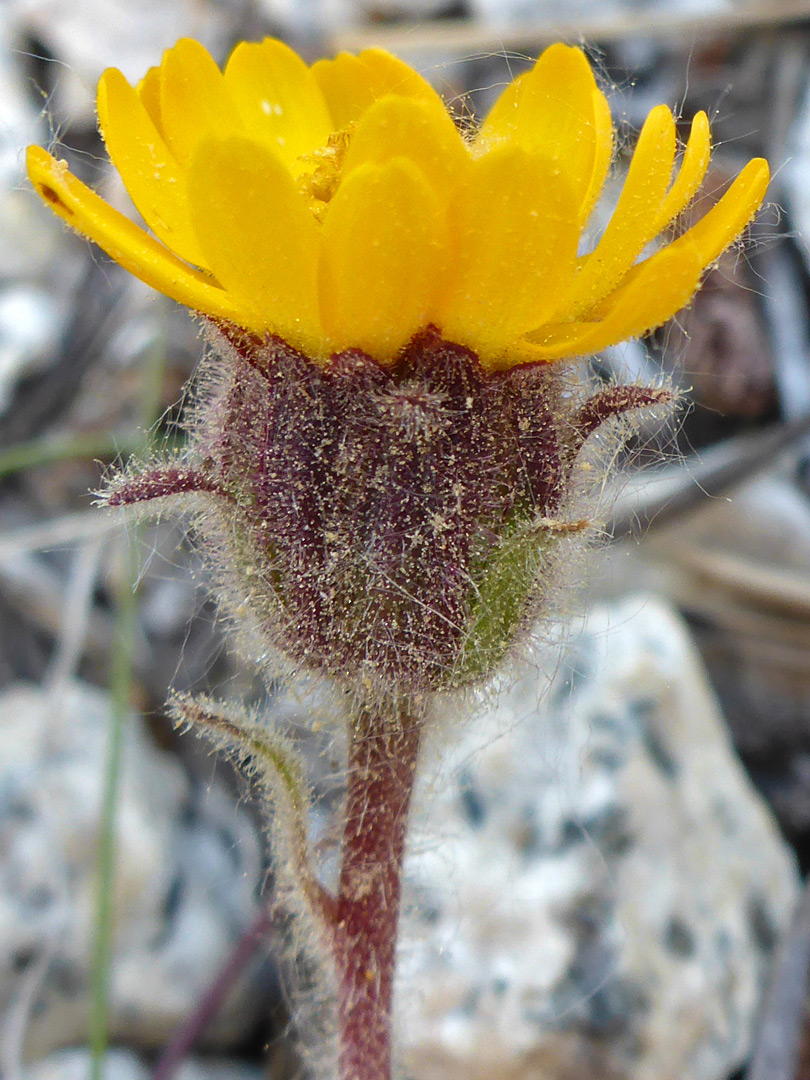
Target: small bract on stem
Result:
[[383, 457]]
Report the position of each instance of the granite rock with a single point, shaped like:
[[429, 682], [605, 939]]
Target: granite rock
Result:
[[188, 870], [594, 888], [29, 326], [119, 1064], [74, 1064]]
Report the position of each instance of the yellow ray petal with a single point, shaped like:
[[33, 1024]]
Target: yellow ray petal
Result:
[[694, 164], [382, 244], [550, 110], [278, 100], [516, 235], [659, 288], [633, 223], [603, 153], [149, 170], [727, 219], [501, 120], [148, 90], [387, 74], [350, 84], [194, 103], [422, 130], [345, 88], [123, 241], [258, 236]]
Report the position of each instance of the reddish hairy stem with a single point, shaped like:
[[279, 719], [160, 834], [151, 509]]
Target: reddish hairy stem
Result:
[[382, 762]]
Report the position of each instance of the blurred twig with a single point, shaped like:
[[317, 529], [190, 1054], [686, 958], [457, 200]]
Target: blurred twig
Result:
[[778, 1044], [58, 532], [214, 997], [773, 588], [669, 492], [12, 1029], [76, 612], [471, 36]]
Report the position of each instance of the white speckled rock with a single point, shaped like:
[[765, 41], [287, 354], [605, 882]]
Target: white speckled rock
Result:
[[187, 873], [29, 325], [74, 1064], [595, 886]]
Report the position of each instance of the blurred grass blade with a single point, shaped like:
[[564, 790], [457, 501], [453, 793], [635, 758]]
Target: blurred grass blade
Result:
[[121, 672], [120, 686]]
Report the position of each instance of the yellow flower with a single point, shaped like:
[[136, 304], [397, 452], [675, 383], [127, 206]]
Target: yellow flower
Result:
[[339, 206]]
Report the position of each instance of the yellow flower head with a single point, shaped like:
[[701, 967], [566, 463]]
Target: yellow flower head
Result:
[[339, 206]]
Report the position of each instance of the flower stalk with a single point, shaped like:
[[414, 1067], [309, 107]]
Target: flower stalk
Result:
[[383, 753]]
